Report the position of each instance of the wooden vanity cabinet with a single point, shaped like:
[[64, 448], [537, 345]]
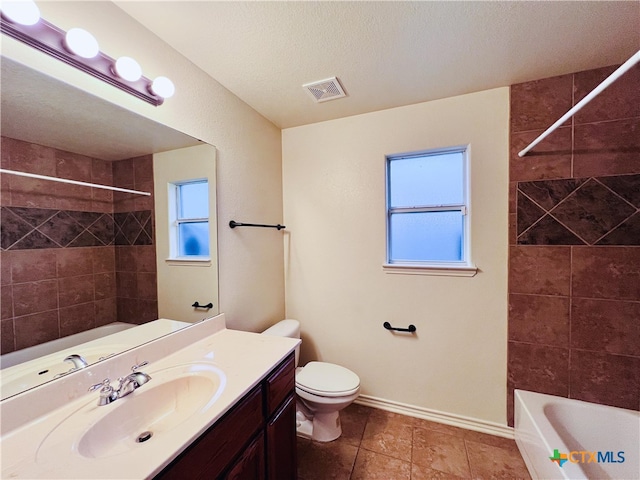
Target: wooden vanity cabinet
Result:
[[281, 443], [251, 462], [255, 440], [280, 408]]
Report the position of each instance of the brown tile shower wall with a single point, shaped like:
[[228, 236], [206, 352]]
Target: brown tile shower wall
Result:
[[574, 258], [135, 250], [59, 247]]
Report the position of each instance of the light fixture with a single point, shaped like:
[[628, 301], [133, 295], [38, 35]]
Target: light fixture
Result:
[[163, 87], [24, 12], [20, 19], [81, 42], [128, 68]]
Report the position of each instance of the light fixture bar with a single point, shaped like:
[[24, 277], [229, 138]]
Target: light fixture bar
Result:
[[49, 39]]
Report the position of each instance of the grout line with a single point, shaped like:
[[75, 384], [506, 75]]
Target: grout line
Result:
[[573, 122], [570, 321], [466, 452]]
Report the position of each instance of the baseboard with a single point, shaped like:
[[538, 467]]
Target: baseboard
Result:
[[437, 416]]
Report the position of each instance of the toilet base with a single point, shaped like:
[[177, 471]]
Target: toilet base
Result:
[[322, 427]]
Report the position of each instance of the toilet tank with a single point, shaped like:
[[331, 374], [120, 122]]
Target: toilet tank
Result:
[[286, 328]]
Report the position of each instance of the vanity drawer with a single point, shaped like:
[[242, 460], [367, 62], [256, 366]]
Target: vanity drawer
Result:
[[280, 384], [209, 456]]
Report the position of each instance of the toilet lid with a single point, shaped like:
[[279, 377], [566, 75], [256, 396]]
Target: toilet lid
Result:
[[327, 379]]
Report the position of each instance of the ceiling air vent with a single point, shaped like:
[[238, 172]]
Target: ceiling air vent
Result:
[[324, 90]]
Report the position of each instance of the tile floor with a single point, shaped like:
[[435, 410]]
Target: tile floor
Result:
[[376, 444]]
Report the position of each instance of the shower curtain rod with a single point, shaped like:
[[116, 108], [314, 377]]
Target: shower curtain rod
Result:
[[73, 182], [621, 70]]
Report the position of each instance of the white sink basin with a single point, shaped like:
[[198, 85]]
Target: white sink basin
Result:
[[172, 397]]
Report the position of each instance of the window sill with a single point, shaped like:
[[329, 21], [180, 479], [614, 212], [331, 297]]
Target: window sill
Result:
[[437, 270], [189, 262]]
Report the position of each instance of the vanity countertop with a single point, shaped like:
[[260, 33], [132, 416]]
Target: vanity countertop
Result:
[[43, 441]]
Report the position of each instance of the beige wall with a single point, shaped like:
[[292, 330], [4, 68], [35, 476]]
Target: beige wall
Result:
[[334, 209], [183, 282], [249, 149]]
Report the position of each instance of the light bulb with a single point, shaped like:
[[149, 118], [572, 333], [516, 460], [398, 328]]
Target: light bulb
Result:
[[128, 68], [163, 87], [24, 12], [82, 43]]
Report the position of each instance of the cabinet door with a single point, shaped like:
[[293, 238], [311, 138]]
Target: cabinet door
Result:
[[210, 455], [281, 443], [250, 465], [280, 384]]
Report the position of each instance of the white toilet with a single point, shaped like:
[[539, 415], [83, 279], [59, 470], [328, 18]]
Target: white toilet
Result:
[[322, 389]]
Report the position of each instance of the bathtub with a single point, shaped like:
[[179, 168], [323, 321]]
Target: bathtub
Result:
[[53, 346], [592, 441]]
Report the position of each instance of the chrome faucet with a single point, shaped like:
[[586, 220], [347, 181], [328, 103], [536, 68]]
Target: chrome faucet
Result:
[[77, 360], [132, 381], [127, 385]]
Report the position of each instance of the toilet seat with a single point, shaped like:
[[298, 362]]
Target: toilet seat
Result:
[[327, 380]]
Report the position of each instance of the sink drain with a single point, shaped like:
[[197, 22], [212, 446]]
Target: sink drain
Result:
[[144, 436]]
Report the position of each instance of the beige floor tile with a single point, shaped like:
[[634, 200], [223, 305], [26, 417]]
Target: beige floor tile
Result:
[[376, 444], [354, 419], [376, 466], [490, 440], [389, 433], [419, 472], [326, 461], [304, 445], [440, 451], [488, 461]]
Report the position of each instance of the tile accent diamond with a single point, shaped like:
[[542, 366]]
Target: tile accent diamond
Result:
[[591, 211], [25, 228], [626, 186], [548, 193], [13, 228]]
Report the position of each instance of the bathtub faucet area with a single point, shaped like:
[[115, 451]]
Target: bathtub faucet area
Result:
[[77, 360]]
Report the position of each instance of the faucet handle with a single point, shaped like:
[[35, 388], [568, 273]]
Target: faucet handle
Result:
[[104, 385], [107, 394], [139, 365]]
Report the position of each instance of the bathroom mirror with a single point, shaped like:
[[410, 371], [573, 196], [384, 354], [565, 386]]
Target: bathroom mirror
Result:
[[41, 110]]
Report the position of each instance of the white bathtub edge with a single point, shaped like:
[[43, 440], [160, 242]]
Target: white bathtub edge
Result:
[[533, 445], [545, 423]]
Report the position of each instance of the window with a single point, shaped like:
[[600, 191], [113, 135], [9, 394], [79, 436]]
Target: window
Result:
[[427, 210], [190, 219]]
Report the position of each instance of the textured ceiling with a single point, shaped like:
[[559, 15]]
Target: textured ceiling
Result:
[[386, 54]]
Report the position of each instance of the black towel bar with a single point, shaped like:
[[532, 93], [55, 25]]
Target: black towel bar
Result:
[[207, 306], [234, 224], [387, 325]]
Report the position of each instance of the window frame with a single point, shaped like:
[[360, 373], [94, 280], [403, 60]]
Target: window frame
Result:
[[463, 267], [175, 221]]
